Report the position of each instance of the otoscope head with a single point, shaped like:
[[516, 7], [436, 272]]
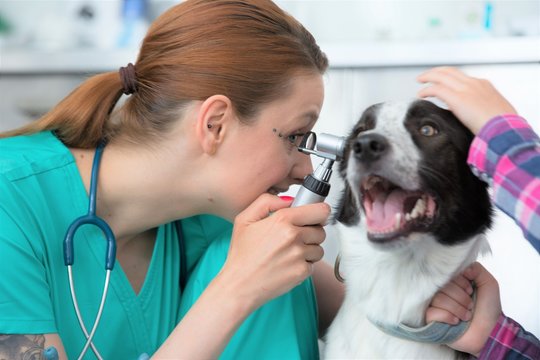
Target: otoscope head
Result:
[[324, 145], [316, 185], [331, 144]]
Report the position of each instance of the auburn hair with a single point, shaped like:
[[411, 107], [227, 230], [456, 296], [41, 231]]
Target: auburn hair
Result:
[[247, 50]]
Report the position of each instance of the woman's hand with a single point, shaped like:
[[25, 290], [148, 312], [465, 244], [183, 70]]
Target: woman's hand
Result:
[[273, 247], [473, 101], [453, 301]]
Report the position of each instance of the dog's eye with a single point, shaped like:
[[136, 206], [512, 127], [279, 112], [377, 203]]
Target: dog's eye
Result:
[[428, 130]]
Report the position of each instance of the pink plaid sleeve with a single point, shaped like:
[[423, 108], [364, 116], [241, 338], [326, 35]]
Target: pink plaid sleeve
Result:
[[506, 154], [508, 340]]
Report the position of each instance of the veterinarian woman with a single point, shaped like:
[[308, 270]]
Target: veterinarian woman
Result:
[[220, 94], [219, 97], [506, 153]]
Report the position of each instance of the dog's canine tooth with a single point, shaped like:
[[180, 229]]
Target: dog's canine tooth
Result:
[[371, 182], [419, 208], [398, 221]]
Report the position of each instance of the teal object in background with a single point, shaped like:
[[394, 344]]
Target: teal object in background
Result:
[[284, 328]]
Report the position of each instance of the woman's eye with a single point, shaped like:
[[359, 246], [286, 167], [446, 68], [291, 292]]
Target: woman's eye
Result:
[[295, 139], [428, 130]]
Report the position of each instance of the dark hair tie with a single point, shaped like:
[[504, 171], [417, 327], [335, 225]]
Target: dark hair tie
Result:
[[129, 79]]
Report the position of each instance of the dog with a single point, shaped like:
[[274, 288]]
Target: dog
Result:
[[411, 217]]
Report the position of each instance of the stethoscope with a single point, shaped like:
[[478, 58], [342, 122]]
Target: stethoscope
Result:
[[110, 257]]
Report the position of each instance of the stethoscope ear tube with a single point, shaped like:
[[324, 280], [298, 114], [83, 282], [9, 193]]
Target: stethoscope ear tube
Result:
[[90, 219]]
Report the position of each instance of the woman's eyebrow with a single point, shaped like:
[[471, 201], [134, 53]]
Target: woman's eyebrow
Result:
[[310, 116]]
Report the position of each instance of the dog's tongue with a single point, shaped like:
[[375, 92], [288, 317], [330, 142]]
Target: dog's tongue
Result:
[[384, 209]]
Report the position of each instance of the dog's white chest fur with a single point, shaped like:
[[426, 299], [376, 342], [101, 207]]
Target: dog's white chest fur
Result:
[[392, 287]]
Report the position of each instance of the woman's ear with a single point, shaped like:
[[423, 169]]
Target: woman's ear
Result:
[[213, 121]]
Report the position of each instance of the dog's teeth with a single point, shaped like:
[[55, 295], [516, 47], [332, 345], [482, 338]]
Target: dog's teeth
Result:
[[419, 208], [398, 221], [371, 182], [408, 217]]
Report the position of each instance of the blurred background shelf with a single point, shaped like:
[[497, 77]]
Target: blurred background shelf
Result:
[[508, 50]]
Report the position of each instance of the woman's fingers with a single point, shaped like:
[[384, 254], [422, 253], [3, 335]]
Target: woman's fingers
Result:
[[263, 206], [313, 253], [312, 214]]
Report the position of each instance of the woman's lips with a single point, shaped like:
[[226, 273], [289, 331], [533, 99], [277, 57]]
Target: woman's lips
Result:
[[275, 191]]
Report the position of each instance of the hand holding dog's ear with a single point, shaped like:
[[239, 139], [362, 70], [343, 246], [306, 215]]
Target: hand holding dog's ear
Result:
[[473, 101]]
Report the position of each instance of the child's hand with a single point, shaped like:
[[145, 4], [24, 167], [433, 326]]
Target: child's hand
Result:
[[473, 101], [453, 300], [452, 303]]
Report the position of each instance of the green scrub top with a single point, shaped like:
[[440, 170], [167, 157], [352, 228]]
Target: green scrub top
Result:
[[41, 193]]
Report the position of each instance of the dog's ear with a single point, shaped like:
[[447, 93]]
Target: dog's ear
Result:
[[347, 211]]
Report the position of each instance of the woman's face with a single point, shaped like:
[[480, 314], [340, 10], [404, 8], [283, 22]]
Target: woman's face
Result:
[[263, 156]]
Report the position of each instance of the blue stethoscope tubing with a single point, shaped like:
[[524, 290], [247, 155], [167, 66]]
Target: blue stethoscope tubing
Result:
[[110, 257], [91, 219]]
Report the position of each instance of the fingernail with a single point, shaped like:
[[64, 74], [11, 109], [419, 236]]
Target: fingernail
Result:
[[455, 320], [286, 198], [468, 316]]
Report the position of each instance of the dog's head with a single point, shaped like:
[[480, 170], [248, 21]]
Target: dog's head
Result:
[[405, 170]]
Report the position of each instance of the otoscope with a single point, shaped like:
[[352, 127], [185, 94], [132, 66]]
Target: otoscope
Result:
[[316, 186]]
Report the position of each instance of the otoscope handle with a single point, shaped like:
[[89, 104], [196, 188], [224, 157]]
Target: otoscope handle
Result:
[[313, 190], [305, 197]]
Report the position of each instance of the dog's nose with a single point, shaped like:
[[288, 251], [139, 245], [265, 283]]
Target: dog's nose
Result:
[[370, 147]]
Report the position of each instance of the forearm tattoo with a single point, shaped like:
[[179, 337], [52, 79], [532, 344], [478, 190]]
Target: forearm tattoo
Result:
[[22, 347]]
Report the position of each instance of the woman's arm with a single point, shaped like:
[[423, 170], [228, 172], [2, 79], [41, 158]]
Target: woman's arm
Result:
[[208, 326], [268, 256], [330, 293], [32, 346]]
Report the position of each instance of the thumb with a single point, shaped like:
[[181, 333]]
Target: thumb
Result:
[[477, 272], [262, 207]]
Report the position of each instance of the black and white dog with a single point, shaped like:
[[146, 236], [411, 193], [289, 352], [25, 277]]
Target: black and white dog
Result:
[[411, 217]]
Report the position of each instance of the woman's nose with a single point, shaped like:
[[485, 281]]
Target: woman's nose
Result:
[[302, 168]]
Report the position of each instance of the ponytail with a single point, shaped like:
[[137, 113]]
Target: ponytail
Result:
[[81, 119], [247, 50]]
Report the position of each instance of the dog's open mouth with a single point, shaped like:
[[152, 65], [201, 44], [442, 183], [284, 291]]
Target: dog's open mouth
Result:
[[392, 212]]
